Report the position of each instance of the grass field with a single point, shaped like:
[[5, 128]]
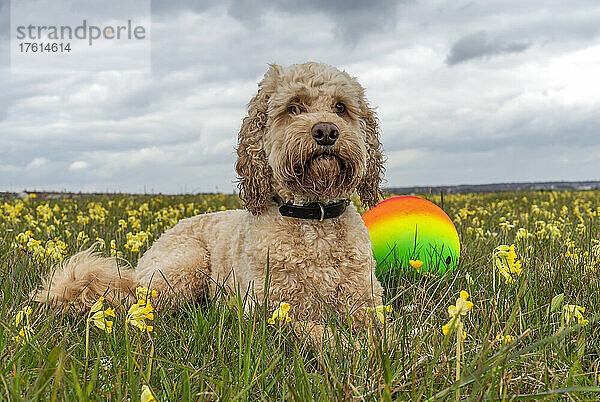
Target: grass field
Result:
[[532, 335]]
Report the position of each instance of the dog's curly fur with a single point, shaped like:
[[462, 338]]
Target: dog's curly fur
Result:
[[315, 266]]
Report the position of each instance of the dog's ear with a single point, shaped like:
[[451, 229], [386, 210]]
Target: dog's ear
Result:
[[254, 173], [368, 187]]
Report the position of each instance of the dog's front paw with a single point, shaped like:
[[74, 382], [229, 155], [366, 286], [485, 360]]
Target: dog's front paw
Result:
[[320, 335], [314, 333]]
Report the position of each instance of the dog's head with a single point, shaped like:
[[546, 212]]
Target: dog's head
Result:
[[309, 134]]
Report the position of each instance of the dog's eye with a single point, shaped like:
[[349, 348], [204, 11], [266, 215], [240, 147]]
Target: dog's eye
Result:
[[340, 108], [295, 109]]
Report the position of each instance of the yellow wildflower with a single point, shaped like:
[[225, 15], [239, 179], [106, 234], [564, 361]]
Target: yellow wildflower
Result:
[[82, 238], [100, 321], [98, 317], [21, 322], [97, 306], [572, 310], [55, 250], [142, 293], [22, 315], [147, 395], [505, 339], [416, 264], [380, 311], [505, 260], [135, 241], [101, 243], [281, 314], [142, 310], [456, 312], [113, 248]]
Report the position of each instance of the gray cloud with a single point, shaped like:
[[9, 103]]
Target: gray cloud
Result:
[[351, 19], [4, 18], [478, 45], [4, 40]]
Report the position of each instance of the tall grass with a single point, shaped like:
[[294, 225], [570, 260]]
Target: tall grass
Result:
[[211, 349]]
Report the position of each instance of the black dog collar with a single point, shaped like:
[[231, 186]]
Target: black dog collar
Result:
[[314, 210]]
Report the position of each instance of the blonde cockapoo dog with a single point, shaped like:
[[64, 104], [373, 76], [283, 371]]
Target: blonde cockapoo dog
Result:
[[309, 142]]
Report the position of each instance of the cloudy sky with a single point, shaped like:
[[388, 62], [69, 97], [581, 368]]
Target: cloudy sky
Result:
[[466, 92]]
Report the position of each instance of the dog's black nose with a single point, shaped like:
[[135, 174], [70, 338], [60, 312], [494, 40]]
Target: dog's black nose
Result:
[[325, 133]]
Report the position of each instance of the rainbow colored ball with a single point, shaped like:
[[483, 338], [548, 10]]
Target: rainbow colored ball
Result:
[[409, 228]]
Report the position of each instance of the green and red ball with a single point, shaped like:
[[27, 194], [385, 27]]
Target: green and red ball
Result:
[[408, 228]]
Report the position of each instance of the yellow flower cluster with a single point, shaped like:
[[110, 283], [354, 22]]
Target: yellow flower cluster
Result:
[[456, 312], [594, 262], [552, 216], [136, 316], [506, 262], [136, 241], [98, 316], [589, 259], [281, 314], [53, 250], [147, 395], [114, 252], [572, 312], [143, 293], [142, 310], [523, 234], [97, 212], [82, 238], [380, 311], [22, 325], [50, 227], [547, 231], [505, 340]]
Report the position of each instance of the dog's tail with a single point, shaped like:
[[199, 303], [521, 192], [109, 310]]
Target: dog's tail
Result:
[[83, 278]]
